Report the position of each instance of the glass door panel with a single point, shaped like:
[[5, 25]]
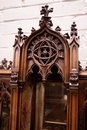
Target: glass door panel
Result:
[[55, 110], [5, 96], [5, 113]]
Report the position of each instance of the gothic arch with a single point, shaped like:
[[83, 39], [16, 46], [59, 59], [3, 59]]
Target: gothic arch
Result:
[[44, 48]]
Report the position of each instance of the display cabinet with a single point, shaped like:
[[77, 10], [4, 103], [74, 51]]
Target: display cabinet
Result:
[[44, 87]]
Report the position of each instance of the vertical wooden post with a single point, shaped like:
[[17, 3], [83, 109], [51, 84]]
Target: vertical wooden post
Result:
[[14, 106], [73, 109], [14, 80], [14, 99], [73, 83], [39, 106]]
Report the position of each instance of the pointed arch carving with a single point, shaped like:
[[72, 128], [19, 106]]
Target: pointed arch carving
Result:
[[17, 56], [44, 48], [74, 56]]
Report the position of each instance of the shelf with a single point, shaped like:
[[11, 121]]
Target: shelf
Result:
[[55, 122]]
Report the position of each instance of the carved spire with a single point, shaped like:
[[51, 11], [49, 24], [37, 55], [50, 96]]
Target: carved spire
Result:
[[74, 45], [45, 18], [74, 34], [19, 36], [73, 30]]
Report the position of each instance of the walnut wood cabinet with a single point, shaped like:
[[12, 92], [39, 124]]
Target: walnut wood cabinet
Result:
[[46, 89]]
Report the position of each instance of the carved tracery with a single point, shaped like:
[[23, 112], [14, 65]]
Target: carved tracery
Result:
[[45, 50]]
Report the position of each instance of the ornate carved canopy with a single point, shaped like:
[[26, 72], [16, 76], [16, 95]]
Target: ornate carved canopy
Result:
[[45, 49]]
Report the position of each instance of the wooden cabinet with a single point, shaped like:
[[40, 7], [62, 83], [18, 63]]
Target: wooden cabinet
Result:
[[47, 88]]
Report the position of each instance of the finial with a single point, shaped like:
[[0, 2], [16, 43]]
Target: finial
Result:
[[45, 18], [19, 39], [45, 11], [19, 33], [74, 29], [74, 34]]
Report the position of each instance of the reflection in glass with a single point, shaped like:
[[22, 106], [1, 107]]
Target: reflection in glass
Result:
[[55, 104], [5, 113], [5, 96]]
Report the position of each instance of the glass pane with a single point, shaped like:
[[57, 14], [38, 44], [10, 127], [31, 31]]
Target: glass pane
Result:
[[55, 105], [5, 113]]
